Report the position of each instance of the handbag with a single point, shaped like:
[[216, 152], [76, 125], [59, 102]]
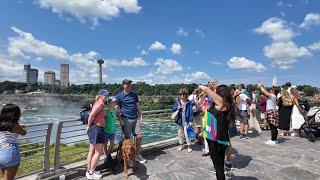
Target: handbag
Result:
[[174, 115]]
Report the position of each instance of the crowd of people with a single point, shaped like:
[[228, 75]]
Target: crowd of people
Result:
[[212, 111]]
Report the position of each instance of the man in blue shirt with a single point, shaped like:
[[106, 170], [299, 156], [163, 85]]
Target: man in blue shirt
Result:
[[130, 113]]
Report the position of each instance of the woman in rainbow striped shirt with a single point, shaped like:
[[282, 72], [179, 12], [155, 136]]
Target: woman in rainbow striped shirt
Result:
[[215, 125]]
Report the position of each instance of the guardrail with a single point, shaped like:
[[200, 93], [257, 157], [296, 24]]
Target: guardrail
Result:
[[34, 149], [39, 155]]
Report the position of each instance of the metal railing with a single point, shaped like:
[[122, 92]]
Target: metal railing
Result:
[[71, 142], [35, 149]]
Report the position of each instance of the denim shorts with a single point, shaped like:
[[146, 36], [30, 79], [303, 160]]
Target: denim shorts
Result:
[[96, 134], [109, 136], [244, 117], [9, 155]]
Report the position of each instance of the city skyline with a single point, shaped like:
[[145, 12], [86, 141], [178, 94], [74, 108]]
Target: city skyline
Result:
[[163, 42]]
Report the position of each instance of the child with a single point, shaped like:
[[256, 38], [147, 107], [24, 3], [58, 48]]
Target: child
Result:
[[112, 114], [10, 129]]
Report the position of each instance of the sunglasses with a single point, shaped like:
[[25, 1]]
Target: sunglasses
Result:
[[183, 94]]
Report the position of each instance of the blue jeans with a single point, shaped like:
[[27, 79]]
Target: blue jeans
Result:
[[9, 155]]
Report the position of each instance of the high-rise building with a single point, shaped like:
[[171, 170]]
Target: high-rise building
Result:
[[49, 78], [30, 75], [64, 75]]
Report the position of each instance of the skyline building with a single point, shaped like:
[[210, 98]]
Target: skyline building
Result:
[[49, 78], [64, 75], [30, 75]]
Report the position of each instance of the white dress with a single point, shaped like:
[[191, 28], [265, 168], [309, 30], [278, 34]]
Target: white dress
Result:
[[296, 118]]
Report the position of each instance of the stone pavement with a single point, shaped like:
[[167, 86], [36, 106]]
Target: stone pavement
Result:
[[293, 158]]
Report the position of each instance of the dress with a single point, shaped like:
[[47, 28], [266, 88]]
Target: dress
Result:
[[284, 116], [296, 118]]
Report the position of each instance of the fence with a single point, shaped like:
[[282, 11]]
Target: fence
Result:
[[71, 142]]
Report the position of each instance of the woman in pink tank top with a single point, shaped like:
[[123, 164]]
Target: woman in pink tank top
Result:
[[95, 130]]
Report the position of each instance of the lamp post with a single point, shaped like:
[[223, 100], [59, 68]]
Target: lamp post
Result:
[[100, 62]]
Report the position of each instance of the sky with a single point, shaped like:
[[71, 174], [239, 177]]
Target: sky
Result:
[[167, 41]]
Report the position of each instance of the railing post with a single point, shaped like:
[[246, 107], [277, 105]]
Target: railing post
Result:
[[57, 148], [47, 149]]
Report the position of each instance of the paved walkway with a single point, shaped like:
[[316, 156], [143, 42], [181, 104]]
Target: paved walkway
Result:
[[292, 158]]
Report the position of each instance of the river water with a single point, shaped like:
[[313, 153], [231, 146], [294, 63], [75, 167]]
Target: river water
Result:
[[154, 128]]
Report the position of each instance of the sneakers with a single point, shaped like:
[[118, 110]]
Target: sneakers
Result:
[[189, 150], [228, 165], [93, 175], [250, 131], [180, 148], [212, 170], [205, 154], [270, 142], [96, 172], [244, 136], [141, 159]]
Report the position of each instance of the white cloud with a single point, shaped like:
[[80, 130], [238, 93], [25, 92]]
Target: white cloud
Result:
[[182, 32], [144, 52], [277, 29], [10, 69], [285, 67], [285, 53], [241, 63], [157, 46], [86, 62], [176, 48], [92, 10], [25, 44], [135, 62], [215, 62], [167, 66], [200, 33], [197, 77], [311, 19], [315, 46], [284, 4]]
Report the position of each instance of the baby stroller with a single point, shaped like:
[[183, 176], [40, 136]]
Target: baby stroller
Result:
[[311, 127]]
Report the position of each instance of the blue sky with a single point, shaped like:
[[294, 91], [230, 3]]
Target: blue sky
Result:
[[167, 41]]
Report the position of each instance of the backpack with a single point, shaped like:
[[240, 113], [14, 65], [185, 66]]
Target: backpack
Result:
[[286, 98], [84, 115]]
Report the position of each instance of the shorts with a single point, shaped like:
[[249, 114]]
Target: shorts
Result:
[[109, 136], [243, 117], [131, 126], [9, 155], [96, 134]]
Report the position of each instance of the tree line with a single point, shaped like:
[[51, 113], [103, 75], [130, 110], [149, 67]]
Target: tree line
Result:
[[141, 88]]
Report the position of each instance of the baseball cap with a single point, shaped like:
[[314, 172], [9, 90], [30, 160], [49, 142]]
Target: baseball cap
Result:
[[126, 81], [103, 92], [112, 99]]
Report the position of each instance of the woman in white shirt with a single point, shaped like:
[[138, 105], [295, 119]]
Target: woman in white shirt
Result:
[[10, 129]]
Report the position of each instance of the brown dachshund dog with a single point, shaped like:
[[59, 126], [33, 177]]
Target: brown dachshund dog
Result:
[[128, 153]]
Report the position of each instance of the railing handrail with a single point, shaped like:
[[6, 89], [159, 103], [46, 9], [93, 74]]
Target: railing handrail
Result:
[[46, 146], [46, 136]]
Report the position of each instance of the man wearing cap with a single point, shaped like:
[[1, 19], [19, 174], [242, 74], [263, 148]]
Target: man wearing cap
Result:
[[130, 113]]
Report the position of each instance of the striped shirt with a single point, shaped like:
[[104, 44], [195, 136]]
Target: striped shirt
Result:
[[8, 137]]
